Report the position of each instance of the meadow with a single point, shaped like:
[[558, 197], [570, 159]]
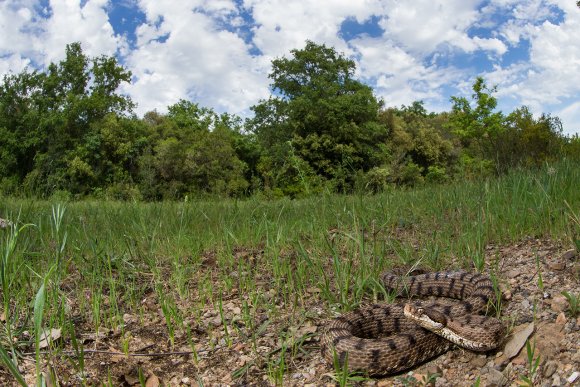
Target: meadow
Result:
[[206, 276]]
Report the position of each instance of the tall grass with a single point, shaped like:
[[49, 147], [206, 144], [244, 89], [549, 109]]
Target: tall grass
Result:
[[108, 255]]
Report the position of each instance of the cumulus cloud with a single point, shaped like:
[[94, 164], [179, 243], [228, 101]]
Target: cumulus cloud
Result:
[[33, 33], [182, 53], [218, 52]]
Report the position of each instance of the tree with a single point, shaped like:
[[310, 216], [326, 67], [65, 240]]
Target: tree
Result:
[[318, 114], [191, 150], [54, 112], [477, 124]]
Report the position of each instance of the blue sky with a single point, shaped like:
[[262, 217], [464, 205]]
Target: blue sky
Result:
[[218, 52]]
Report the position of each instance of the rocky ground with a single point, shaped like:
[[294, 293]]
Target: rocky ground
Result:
[[285, 340]]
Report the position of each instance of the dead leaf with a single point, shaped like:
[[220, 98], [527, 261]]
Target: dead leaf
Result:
[[518, 340], [48, 336]]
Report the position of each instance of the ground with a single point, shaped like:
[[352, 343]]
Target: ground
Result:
[[231, 346]]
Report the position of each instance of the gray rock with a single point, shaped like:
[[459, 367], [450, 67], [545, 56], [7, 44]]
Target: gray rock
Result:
[[496, 378], [479, 361], [550, 368], [568, 255]]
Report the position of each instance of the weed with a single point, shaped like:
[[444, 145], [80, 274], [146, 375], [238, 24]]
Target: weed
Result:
[[573, 301], [533, 364]]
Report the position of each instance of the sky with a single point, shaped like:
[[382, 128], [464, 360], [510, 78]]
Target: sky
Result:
[[218, 53]]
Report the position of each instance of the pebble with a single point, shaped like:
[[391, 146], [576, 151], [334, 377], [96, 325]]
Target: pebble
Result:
[[557, 266], [561, 319], [559, 304], [479, 361], [568, 255], [525, 304], [572, 378], [550, 368], [496, 378]]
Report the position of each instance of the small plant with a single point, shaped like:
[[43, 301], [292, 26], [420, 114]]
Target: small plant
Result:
[[573, 302], [277, 366], [426, 380], [496, 302], [224, 322], [341, 374], [533, 364], [540, 279]]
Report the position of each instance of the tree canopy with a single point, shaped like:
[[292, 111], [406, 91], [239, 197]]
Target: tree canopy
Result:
[[69, 131]]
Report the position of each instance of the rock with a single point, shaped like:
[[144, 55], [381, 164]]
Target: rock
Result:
[[556, 381], [525, 304], [549, 368], [153, 381], [561, 319], [518, 340], [479, 361], [559, 303], [557, 266], [496, 378], [572, 378], [434, 369], [568, 255]]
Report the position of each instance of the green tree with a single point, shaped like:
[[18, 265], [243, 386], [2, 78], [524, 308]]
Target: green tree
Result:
[[53, 112], [529, 141], [192, 150], [477, 124], [318, 114]]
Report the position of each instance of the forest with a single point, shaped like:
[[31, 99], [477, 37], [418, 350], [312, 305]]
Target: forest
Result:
[[68, 132]]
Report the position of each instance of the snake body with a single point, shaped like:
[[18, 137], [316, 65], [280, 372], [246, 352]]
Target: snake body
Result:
[[380, 339]]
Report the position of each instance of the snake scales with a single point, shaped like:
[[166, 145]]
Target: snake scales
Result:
[[380, 339]]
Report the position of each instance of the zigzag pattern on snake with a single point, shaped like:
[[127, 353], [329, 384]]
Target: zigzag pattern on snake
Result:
[[379, 339]]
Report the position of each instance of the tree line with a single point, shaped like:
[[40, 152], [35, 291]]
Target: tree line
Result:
[[69, 131]]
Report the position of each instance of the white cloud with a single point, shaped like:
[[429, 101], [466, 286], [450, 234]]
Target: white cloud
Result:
[[26, 32], [570, 116], [206, 50], [399, 77], [547, 77], [282, 25], [424, 26], [181, 53]]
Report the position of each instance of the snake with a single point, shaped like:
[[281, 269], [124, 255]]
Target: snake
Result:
[[383, 339]]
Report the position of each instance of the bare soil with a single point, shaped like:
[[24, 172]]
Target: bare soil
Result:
[[250, 354]]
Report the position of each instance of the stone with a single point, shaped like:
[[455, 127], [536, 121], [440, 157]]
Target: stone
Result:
[[572, 378], [561, 319], [525, 304], [479, 361], [496, 378], [568, 255], [559, 304], [550, 368], [557, 266]]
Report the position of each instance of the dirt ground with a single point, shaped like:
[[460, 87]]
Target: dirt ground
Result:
[[256, 355]]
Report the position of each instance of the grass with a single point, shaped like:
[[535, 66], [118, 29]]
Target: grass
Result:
[[100, 260]]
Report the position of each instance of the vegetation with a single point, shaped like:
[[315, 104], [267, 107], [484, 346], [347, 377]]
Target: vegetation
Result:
[[69, 132], [89, 264]]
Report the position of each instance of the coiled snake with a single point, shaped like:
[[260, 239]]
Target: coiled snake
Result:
[[386, 338]]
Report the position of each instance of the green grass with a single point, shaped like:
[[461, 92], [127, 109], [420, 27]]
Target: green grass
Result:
[[106, 256]]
